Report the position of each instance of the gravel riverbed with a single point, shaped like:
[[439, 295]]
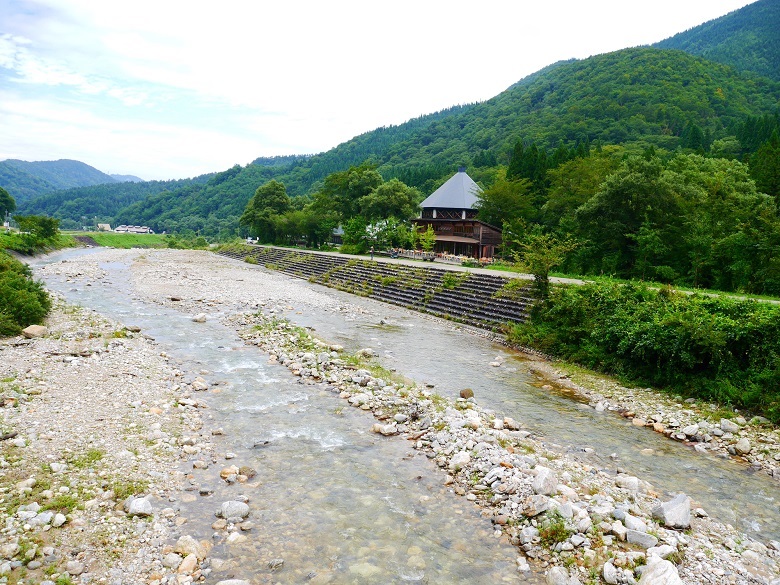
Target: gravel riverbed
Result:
[[104, 427]]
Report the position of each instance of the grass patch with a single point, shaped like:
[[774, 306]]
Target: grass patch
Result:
[[64, 503], [87, 459], [123, 489]]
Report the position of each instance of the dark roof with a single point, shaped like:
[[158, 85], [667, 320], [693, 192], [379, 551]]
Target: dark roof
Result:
[[459, 192]]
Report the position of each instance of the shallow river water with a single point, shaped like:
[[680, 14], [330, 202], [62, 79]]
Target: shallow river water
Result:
[[336, 501]]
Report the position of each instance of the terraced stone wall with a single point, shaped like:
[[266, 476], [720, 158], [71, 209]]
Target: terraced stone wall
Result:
[[481, 300]]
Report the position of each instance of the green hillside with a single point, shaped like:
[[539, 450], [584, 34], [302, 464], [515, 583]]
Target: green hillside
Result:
[[641, 96], [747, 39], [82, 205], [25, 180]]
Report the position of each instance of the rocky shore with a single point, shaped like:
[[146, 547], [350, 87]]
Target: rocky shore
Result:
[[107, 427]]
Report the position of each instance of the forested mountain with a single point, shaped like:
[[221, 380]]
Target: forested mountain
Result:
[[643, 96], [126, 178], [103, 202], [747, 39], [24, 180]]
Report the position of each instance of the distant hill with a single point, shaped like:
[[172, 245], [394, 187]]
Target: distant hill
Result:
[[644, 96], [25, 180], [98, 201], [126, 178], [747, 39]]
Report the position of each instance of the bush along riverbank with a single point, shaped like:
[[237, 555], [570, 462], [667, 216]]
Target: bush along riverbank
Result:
[[578, 523], [715, 349], [23, 301]]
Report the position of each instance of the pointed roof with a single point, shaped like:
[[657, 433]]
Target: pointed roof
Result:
[[459, 192]]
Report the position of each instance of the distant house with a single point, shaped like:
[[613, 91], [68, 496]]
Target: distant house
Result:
[[104, 227], [133, 229], [451, 211]]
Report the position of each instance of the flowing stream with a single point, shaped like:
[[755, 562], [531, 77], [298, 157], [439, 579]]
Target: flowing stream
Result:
[[336, 501]]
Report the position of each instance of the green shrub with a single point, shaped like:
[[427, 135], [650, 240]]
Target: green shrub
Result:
[[714, 348], [23, 301], [552, 529]]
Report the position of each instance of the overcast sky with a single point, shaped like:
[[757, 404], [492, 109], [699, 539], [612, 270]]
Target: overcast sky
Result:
[[169, 89]]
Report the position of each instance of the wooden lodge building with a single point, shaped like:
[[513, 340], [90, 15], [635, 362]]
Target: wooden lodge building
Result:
[[452, 213]]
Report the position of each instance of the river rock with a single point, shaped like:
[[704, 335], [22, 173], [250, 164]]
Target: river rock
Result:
[[188, 565], [628, 482], [535, 505], [545, 482], [467, 393], [634, 523], [385, 430], [660, 572], [200, 318], [187, 545], [662, 551], [743, 446], [560, 576], [459, 460], [199, 384], [233, 509], [138, 507], [59, 520], [228, 471], [172, 561], [728, 425], [34, 331], [641, 539], [74, 568], [676, 513], [610, 573]]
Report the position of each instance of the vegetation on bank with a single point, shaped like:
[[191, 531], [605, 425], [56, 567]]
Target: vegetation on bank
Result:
[[23, 301], [127, 241], [712, 348]]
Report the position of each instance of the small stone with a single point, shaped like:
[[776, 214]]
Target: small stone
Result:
[[459, 460], [59, 520], [232, 509], [743, 446], [172, 561], [641, 539], [545, 482], [228, 471], [200, 318], [728, 426], [660, 572], [188, 565], [139, 507], [199, 384], [676, 513], [74, 568], [34, 331], [467, 393]]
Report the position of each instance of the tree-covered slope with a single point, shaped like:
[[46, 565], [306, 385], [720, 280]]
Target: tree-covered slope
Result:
[[747, 39], [642, 95], [28, 179], [22, 185], [98, 201]]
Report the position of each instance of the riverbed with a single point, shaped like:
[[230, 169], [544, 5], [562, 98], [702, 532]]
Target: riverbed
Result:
[[334, 500]]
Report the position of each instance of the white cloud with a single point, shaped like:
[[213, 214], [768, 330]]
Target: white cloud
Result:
[[251, 77]]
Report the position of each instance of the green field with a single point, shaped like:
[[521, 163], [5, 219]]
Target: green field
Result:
[[119, 240]]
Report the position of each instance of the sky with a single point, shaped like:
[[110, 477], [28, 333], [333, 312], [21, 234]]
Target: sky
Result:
[[169, 89]]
